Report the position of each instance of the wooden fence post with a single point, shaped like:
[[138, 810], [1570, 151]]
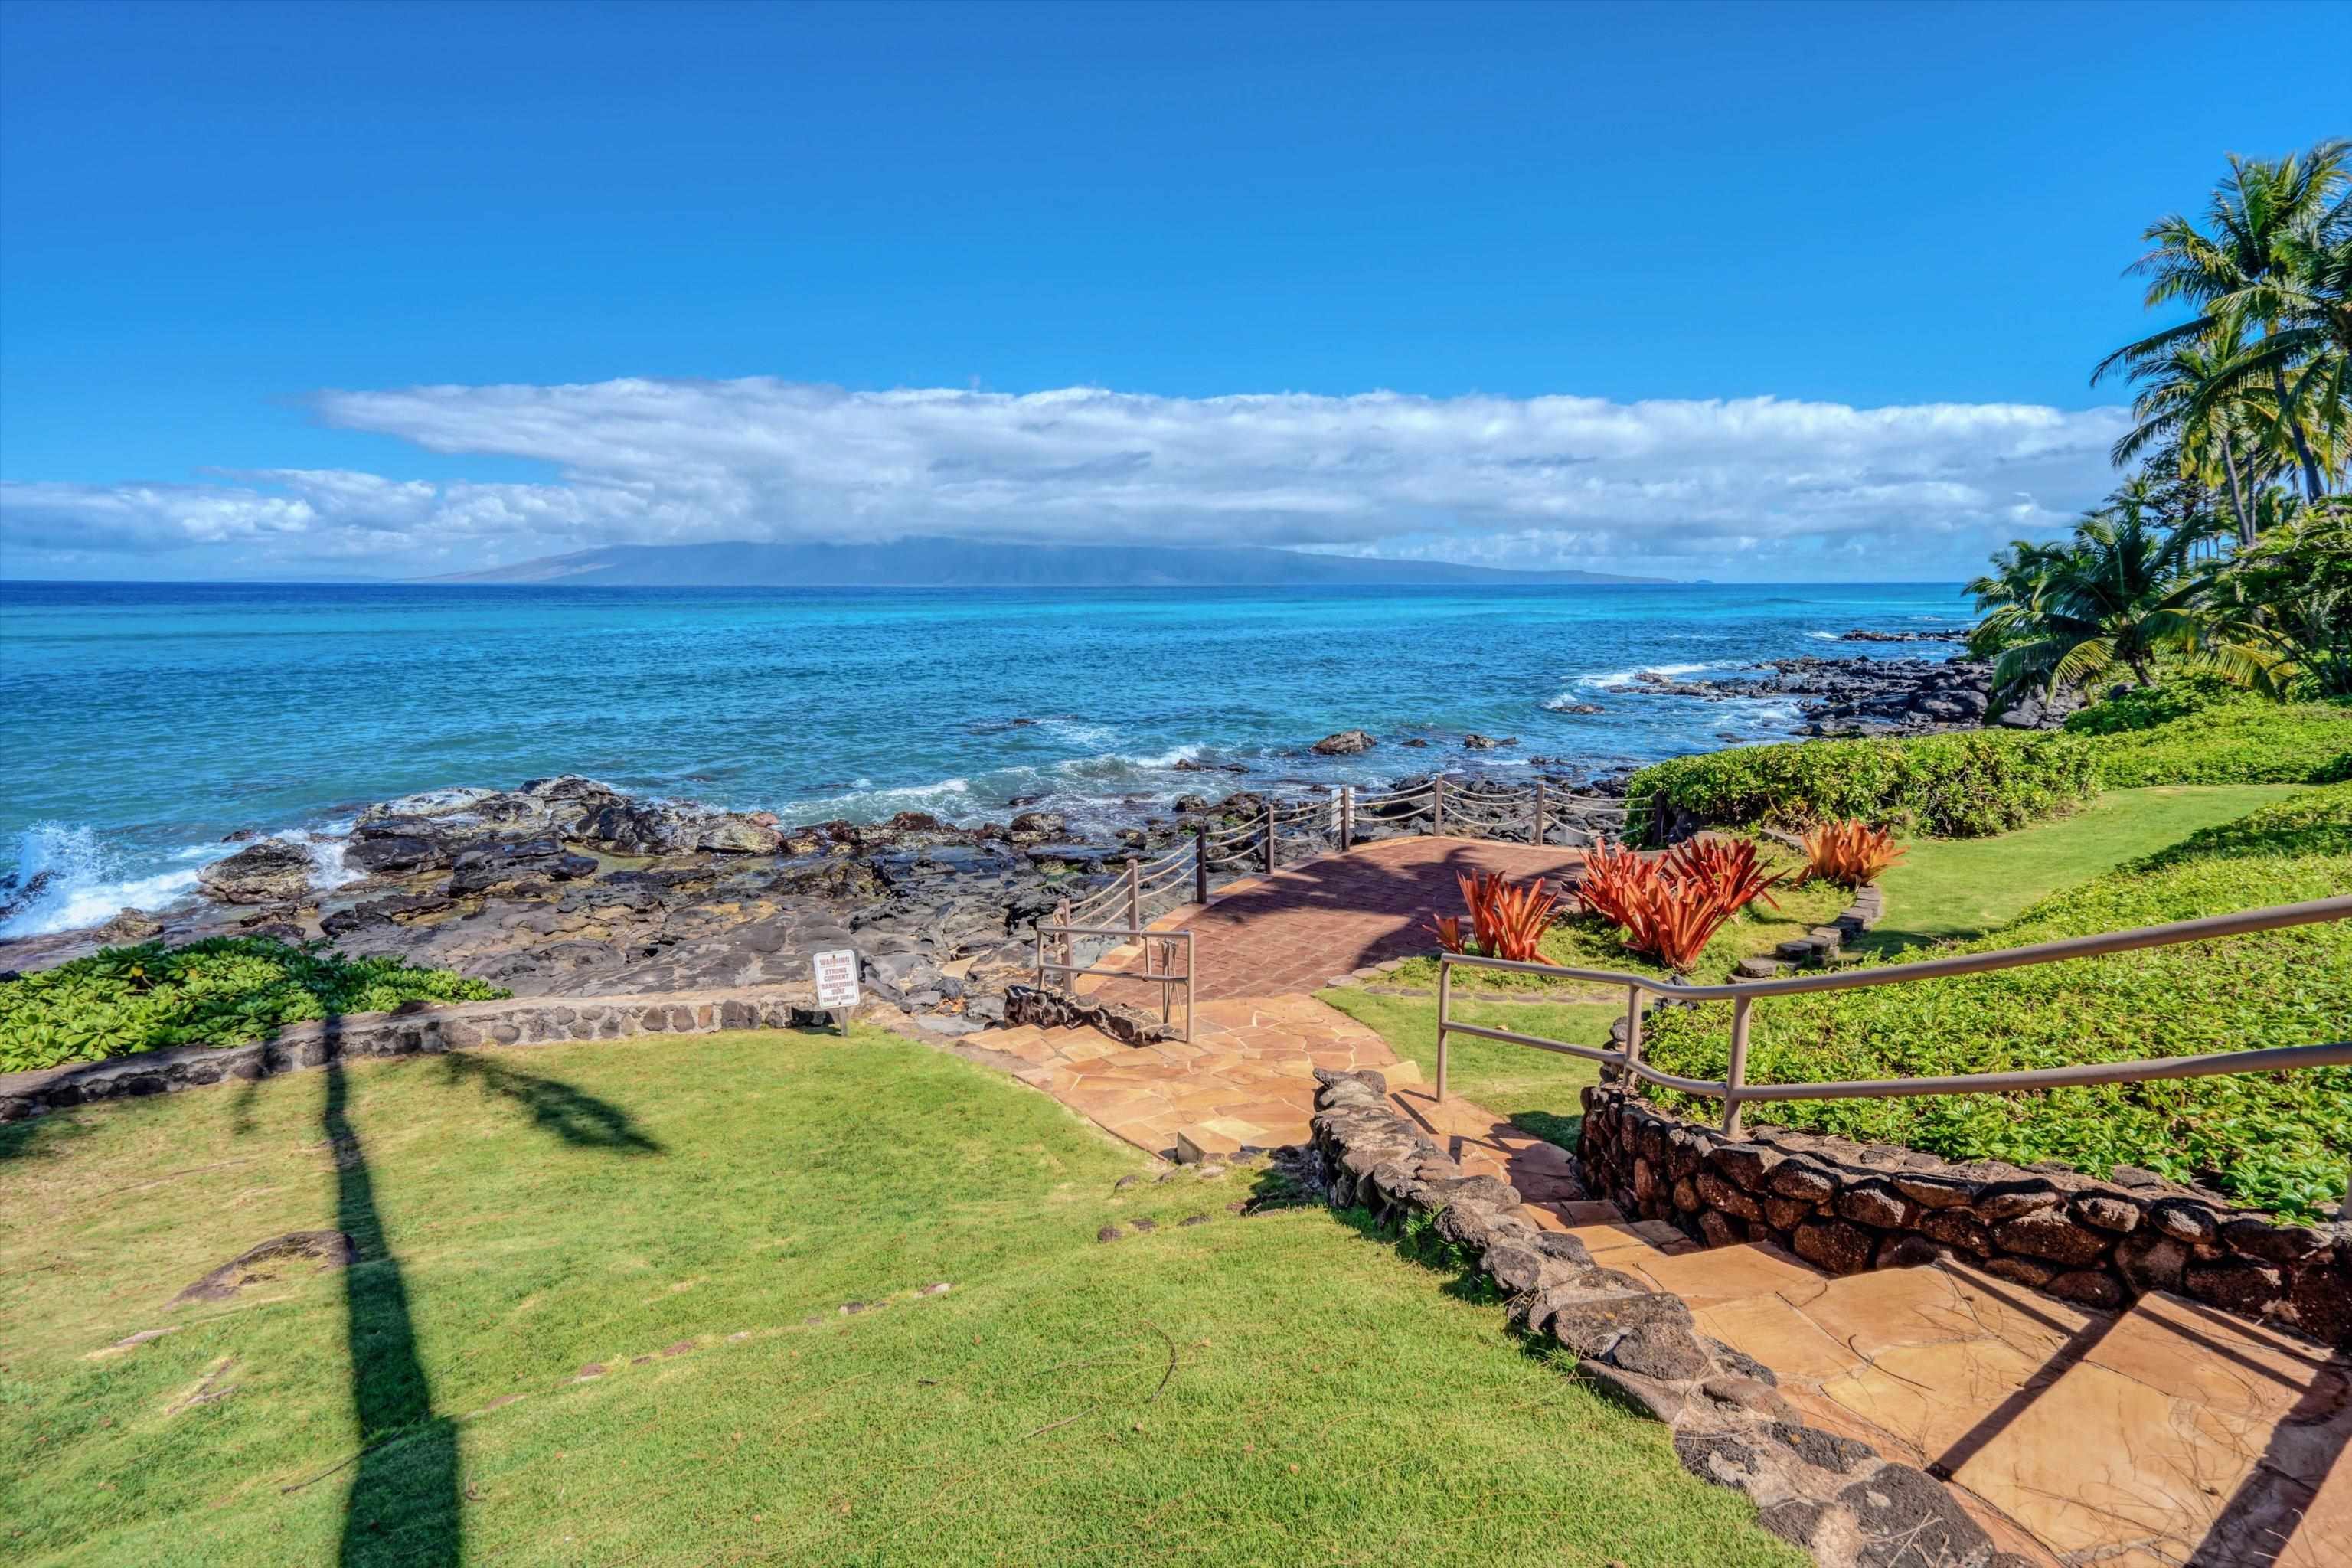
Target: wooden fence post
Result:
[[1134, 897], [1437, 797], [1539, 809], [1269, 838], [1200, 865], [1347, 817]]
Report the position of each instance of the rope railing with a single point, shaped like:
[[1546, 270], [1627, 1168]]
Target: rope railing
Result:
[[1734, 1089]]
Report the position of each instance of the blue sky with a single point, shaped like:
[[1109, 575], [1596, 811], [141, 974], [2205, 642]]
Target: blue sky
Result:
[[215, 219]]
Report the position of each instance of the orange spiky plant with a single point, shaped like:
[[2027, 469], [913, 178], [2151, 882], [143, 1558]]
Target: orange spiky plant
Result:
[[1507, 918], [1849, 853], [1671, 907]]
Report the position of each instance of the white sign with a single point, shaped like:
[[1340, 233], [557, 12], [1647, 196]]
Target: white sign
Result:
[[836, 978]]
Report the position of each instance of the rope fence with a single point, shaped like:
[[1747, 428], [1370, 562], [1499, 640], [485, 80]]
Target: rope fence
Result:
[[1276, 836]]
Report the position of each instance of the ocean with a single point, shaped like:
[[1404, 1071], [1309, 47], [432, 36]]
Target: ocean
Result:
[[145, 721]]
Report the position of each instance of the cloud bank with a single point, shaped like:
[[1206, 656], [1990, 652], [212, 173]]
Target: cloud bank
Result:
[[1748, 487]]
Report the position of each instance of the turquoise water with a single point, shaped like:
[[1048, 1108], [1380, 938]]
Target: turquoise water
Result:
[[147, 721]]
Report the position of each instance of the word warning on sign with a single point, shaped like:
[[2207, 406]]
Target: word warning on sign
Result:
[[836, 981]]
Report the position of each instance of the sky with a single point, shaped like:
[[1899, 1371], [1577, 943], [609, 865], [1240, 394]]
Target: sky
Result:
[[1756, 291]]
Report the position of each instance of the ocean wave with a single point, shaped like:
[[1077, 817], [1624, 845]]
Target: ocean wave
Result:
[[1117, 764], [1824, 637], [87, 882], [939, 797], [1617, 680]]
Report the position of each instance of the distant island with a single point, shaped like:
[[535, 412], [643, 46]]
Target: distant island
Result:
[[931, 563]]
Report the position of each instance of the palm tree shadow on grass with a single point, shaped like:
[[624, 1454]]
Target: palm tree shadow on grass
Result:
[[404, 1509], [572, 1114], [403, 1506]]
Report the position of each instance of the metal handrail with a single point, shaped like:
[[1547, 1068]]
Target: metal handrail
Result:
[[1162, 941], [1735, 1091]]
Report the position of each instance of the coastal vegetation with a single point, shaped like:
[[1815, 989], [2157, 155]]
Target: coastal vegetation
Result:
[[222, 990], [533, 1360], [2228, 547], [1976, 782], [1964, 784], [2270, 1141]]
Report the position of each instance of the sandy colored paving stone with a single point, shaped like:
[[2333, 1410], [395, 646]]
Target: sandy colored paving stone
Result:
[[1892, 1307], [2226, 1364], [2100, 1459], [1934, 1397], [1776, 1334], [1708, 1278]]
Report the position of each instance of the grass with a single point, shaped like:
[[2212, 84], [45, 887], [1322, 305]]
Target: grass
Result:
[[522, 1214], [1962, 888], [1537, 1090], [2272, 1141]]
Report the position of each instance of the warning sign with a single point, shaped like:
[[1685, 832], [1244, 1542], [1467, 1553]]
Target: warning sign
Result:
[[836, 978]]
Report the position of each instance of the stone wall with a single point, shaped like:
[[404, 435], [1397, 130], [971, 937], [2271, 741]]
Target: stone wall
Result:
[[417, 1028], [1847, 1208], [1826, 1492]]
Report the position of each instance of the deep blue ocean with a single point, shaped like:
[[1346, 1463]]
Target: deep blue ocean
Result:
[[144, 721]]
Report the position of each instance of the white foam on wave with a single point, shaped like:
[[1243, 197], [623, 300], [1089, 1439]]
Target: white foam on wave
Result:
[[86, 880], [1616, 679], [1824, 637], [862, 797], [1113, 763]]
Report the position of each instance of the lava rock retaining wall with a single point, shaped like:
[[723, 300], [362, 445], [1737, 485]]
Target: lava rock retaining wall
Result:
[[1831, 1494], [418, 1028], [1845, 1207]]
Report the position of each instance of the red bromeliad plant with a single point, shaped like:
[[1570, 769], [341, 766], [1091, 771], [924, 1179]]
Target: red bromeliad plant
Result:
[[1671, 907], [1849, 853], [1507, 919]]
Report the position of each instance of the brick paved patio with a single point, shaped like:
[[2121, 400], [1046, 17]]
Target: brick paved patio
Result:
[[1292, 931]]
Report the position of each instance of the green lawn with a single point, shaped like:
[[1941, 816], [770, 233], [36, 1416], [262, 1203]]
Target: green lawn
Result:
[[692, 1215], [1536, 1089], [1962, 888]]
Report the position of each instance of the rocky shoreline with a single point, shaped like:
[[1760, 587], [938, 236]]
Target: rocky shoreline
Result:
[[567, 887]]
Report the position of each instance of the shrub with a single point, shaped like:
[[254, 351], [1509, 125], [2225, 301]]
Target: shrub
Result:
[[2146, 707], [2272, 1141], [1958, 785], [225, 990], [2238, 742], [1849, 853]]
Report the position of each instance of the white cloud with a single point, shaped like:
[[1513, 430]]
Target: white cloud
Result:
[[1738, 488]]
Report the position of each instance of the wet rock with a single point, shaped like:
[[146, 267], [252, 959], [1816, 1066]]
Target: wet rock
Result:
[[1345, 743], [129, 927], [270, 872]]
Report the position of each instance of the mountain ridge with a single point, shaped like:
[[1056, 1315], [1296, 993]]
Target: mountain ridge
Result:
[[937, 563]]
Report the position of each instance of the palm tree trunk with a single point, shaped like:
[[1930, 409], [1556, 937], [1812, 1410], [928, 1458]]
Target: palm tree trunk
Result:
[[2310, 486], [2237, 493]]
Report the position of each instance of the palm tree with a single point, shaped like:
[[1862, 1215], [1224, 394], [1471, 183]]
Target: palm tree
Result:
[[2271, 256], [2279, 615], [2115, 594], [2207, 433]]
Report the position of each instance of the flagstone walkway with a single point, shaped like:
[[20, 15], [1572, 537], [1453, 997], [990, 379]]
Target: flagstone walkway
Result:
[[2165, 1436]]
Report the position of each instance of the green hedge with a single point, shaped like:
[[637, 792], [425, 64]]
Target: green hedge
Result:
[[1980, 781], [1958, 785], [2276, 1141], [2236, 742], [225, 991]]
